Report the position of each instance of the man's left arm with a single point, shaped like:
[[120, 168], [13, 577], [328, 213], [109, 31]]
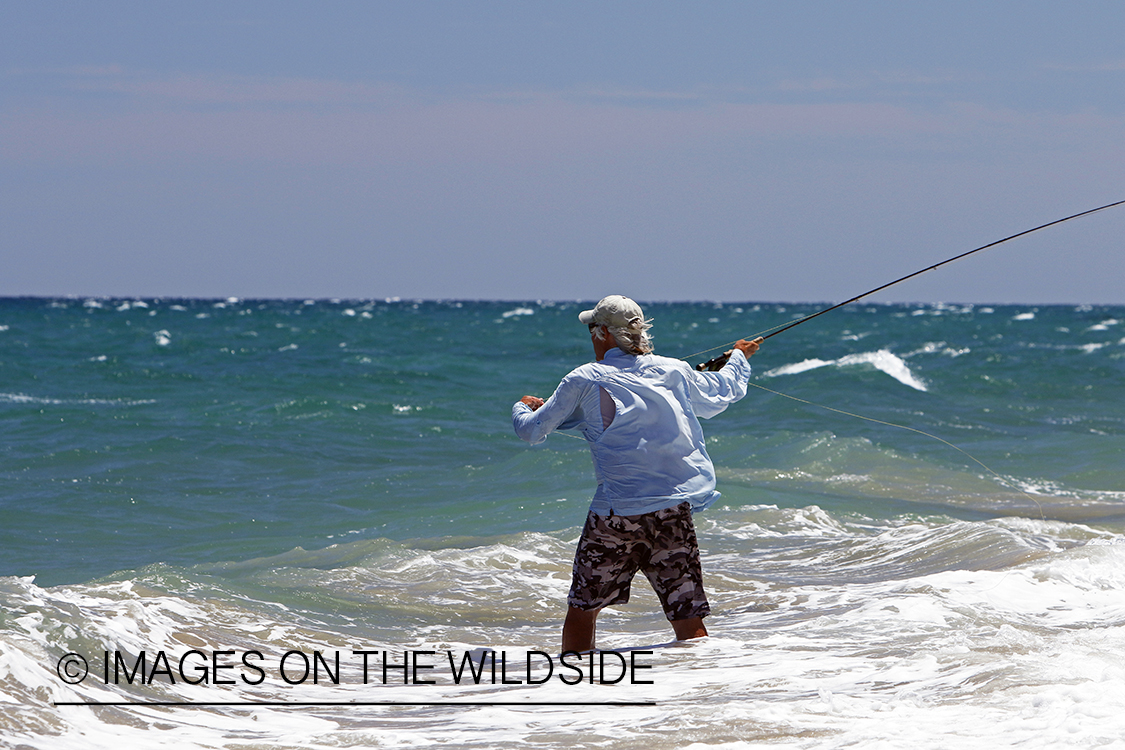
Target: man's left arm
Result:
[[533, 418]]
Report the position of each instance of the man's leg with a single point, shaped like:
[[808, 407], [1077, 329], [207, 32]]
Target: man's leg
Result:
[[674, 570], [689, 628], [604, 564], [578, 629]]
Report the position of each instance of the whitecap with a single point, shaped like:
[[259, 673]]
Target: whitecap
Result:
[[518, 311], [23, 398], [162, 338], [928, 348], [1025, 316], [887, 362], [938, 347], [1104, 325], [798, 367], [881, 360]]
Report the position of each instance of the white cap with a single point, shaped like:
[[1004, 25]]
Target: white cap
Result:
[[614, 311]]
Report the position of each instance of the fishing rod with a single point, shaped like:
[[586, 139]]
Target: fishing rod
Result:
[[717, 363]]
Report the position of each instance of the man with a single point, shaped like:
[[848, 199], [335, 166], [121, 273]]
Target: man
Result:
[[639, 413]]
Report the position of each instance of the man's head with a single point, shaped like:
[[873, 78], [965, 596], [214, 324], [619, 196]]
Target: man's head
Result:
[[624, 320]]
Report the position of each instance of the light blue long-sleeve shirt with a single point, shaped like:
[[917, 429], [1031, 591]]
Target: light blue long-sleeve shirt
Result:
[[640, 417]]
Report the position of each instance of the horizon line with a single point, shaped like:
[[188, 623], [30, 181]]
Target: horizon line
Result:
[[230, 299]]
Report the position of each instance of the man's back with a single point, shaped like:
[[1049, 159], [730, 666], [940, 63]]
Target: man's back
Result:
[[652, 453]]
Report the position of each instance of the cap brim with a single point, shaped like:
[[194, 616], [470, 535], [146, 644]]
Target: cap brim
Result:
[[586, 317]]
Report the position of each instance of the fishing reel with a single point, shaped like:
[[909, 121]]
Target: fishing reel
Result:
[[714, 364]]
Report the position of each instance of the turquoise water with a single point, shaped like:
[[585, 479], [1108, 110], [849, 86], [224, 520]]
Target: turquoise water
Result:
[[314, 474]]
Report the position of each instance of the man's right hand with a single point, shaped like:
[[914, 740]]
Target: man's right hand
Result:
[[748, 347], [533, 401]]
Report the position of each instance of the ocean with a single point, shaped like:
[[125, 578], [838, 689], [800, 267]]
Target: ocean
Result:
[[308, 524]]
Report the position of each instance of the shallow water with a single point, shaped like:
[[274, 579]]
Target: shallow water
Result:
[[227, 480]]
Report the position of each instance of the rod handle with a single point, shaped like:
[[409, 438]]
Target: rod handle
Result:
[[714, 364]]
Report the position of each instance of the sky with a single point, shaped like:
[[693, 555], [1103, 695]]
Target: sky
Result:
[[732, 151]]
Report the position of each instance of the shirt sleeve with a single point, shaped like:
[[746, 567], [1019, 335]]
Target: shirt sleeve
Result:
[[560, 412], [712, 392]]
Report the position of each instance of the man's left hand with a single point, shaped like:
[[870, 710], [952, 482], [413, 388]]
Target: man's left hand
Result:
[[533, 401]]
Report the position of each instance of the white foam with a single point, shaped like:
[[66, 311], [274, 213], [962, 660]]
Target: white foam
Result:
[[882, 360], [23, 398], [799, 367], [518, 311], [1024, 316], [1029, 655]]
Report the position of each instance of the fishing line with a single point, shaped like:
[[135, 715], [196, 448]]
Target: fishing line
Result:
[[771, 332], [717, 362], [976, 460]]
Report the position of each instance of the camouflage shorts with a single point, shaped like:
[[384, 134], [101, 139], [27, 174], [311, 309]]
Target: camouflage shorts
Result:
[[661, 544]]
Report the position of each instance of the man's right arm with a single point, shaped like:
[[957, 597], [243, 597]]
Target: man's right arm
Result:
[[712, 392]]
